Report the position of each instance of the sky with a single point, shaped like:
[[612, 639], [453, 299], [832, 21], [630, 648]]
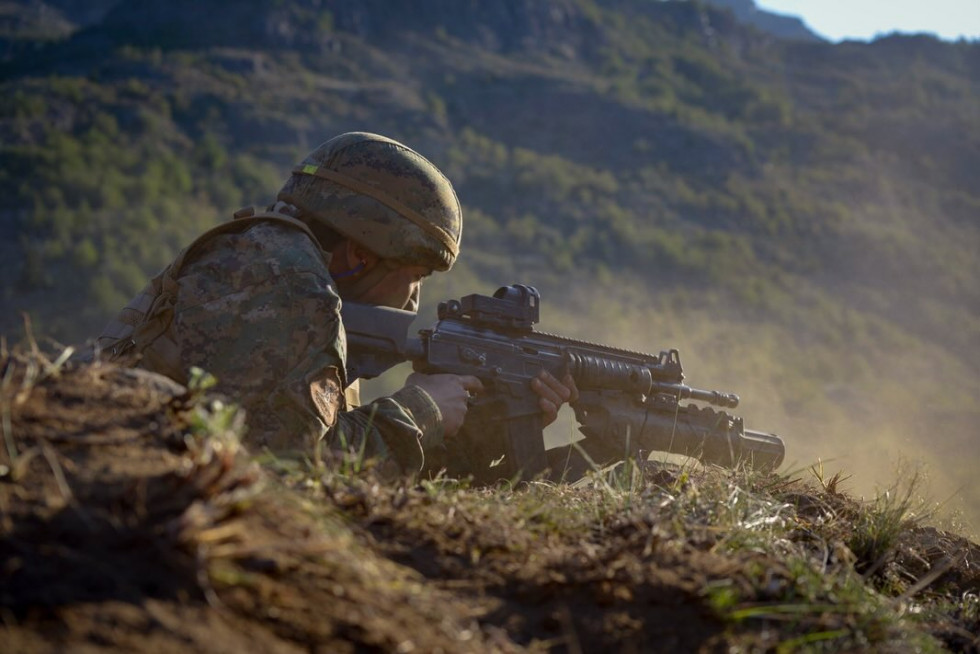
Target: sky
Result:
[[837, 20]]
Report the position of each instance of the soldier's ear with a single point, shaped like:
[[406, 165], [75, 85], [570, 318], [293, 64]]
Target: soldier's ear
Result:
[[360, 257]]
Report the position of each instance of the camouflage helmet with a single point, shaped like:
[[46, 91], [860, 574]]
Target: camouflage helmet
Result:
[[381, 194]]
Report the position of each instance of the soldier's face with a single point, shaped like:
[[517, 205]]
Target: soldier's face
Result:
[[395, 288]]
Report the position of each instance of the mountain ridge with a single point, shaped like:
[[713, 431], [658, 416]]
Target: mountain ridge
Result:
[[781, 25]]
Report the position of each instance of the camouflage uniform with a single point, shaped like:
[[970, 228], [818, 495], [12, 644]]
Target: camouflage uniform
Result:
[[253, 303]]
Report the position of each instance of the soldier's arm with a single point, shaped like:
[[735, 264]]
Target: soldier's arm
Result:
[[401, 426], [268, 327]]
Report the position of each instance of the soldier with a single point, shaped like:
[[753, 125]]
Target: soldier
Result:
[[255, 301]]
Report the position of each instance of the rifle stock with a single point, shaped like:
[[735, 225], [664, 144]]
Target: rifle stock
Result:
[[629, 402]]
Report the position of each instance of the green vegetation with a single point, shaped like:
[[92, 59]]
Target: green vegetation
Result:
[[100, 208]]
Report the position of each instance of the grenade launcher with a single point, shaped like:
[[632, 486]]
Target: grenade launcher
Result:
[[629, 403]]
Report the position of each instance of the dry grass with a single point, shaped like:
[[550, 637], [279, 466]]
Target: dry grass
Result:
[[116, 476]]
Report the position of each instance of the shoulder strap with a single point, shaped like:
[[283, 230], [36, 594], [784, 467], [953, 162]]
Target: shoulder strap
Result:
[[243, 219], [145, 321]]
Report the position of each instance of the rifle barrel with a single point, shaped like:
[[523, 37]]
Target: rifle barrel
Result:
[[683, 392]]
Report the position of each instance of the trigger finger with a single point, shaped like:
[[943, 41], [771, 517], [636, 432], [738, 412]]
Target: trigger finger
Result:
[[546, 392], [562, 389]]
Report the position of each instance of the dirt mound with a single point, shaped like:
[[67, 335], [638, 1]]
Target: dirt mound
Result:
[[131, 518]]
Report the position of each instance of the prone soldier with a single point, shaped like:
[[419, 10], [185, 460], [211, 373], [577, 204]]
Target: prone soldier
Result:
[[256, 302]]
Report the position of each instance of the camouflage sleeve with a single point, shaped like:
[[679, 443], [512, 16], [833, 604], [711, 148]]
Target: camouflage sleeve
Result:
[[259, 311], [405, 424]]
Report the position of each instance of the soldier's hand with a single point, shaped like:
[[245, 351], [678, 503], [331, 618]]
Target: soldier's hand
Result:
[[552, 393], [450, 393]]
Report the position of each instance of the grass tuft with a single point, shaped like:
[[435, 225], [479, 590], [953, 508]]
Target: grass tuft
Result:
[[879, 524]]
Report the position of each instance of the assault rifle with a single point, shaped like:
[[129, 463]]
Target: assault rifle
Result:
[[629, 403]]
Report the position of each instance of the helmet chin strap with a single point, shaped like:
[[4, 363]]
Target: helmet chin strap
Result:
[[413, 302], [350, 273]]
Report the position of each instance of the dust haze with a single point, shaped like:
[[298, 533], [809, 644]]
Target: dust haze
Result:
[[881, 416]]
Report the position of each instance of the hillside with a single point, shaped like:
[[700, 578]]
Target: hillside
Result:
[[798, 217], [134, 520]]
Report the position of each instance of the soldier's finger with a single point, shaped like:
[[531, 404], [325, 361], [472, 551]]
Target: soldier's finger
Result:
[[546, 392], [569, 382], [561, 390], [471, 383], [549, 410]]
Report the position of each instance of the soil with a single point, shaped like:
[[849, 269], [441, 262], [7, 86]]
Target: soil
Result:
[[132, 519]]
